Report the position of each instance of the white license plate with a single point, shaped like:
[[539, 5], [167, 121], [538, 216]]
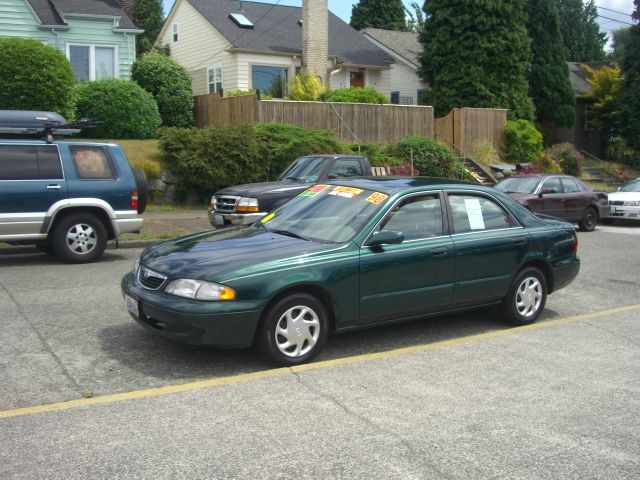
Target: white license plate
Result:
[[132, 305], [218, 220]]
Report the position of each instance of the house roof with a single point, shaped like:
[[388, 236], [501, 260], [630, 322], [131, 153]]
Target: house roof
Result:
[[277, 29], [578, 77], [404, 44], [52, 12]]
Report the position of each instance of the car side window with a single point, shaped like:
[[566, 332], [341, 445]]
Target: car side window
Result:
[[416, 217], [570, 185], [475, 213], [553, 184], [92, 163], [30, 162], [346, 167]]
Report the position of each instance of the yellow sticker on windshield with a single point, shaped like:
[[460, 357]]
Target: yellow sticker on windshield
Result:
[[346, 192], [313, 191], [377, 198], [268, 217]]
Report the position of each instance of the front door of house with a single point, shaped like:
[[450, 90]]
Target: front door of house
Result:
[[357, 79]]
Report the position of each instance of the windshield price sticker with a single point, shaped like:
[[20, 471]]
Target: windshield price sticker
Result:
[[377, 198], [313, 191], [345, 192], [268, 217]]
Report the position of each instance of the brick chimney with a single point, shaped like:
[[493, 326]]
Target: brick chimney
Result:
[[315, 37], [127, 7]]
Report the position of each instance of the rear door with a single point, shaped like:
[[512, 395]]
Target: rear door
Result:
[[576, 200], [31, 181], [554, 202]]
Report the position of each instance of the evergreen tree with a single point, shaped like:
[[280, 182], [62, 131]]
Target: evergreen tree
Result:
[[583, 41], [548, 77], [387, 14], [476, 54], [147, 14], [629, 99], [620, 41]]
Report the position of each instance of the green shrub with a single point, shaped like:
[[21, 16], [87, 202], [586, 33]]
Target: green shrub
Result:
[[484, 153], [306, 87], [429, 157], [238, 92], [124, 109], [355, 95], [34, 76], [620, 152], [523, 142], [170, 85], [379, 154], [545, 164], [281, 144], [568, 158]]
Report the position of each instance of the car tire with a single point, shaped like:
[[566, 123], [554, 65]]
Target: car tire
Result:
[[294, 330], [589, 220], [79, 238], [527, 297], [143, 189]]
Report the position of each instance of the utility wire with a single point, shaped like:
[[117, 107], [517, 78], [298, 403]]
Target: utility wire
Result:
[[614, 20], [614, 11]]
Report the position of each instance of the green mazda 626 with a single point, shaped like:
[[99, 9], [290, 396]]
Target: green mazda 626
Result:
[[349, 255]]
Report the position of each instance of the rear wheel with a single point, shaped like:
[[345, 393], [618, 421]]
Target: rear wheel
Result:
[[527, 297], [143, 189], [79, 238], [589, 220]]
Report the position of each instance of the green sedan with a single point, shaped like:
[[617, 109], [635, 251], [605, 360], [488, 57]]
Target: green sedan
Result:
[[352, 254]]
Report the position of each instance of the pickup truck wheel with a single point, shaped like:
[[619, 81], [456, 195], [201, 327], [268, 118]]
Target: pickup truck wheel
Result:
[[143, 189], [79, 238], [294, 330]]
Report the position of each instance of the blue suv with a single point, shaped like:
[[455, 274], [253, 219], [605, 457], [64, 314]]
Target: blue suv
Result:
[[66, 197]]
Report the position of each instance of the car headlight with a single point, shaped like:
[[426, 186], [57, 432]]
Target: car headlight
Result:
[[247, 205], [632, 204], [199, 290]]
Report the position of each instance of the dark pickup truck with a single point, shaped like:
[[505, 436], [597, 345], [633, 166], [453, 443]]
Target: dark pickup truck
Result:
[[244, 204]]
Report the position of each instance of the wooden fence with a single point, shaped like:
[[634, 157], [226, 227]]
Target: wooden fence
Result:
[[356, 122]]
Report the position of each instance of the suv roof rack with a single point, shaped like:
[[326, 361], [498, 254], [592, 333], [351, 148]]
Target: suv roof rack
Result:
[[35, 124]]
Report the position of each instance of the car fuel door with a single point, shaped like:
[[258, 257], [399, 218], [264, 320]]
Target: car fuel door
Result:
[[415, 276]]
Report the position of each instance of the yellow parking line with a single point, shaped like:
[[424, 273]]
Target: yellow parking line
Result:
[[217, 382]]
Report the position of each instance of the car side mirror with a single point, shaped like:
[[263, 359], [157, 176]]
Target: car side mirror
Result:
[[546, 191], [385, 237]]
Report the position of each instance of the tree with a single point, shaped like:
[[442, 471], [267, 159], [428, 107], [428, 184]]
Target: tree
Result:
[[583, 41], [603, 112], [34, 76], [415, 22], [386, 14], [621, 38], [476, 55], [548, 77], [629, 100], [147, 14]]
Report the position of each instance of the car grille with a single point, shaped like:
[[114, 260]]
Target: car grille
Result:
[[617, 203], [225, 204], [149, 279]]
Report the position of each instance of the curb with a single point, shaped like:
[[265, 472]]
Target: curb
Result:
[[111, 245]]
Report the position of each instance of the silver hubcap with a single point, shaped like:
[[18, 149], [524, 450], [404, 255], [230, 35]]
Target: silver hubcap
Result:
[[81, 238], [297, 331], [529, 297]]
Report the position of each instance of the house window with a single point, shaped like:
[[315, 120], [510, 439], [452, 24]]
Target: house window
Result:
[[273, 81], [175, 32], [395, 98], [214, 75], [422, 96], [90, 62]]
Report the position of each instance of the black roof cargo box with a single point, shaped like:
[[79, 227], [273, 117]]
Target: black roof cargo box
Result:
[[30, 123]]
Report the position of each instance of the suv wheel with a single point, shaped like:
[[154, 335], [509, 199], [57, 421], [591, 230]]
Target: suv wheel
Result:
[[143, 189], [79, 238]]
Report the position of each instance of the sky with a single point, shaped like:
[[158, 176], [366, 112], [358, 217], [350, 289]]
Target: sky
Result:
[[342, 8]]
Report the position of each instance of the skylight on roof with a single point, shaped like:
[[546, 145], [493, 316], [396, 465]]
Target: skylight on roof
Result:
[[241, 20]]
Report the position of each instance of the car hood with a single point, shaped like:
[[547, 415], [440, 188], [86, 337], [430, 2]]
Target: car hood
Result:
[[209, 253], [263, 188], [624, 196]]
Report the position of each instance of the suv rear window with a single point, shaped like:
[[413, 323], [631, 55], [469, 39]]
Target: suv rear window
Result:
[[30, 162], [92, 163]]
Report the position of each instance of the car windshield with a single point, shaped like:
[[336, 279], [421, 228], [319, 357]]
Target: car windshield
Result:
[[305, 169], [631, 187], [325, 213], [518, 185]]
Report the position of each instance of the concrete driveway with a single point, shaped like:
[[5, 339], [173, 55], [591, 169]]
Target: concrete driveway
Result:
[[86, 393]]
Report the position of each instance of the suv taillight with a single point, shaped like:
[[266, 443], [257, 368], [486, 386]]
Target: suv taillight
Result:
[[574, 245], [134, 200]]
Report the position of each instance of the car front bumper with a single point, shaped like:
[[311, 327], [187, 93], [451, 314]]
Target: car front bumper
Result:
[[221, 324], [618, 211], [222, 220]]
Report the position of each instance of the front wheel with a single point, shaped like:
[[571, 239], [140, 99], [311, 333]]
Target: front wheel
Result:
[[79, 238], [527, 297], [294, 330], [589, 220]]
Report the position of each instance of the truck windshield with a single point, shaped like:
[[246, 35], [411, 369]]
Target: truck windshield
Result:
[[305, 169], [325, 213]]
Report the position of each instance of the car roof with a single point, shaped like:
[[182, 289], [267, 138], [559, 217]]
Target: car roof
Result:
[[391, 185]]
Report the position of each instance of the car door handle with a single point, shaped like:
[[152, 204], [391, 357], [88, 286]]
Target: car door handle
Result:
[[439, 252], [519, 241], [54, 187]]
